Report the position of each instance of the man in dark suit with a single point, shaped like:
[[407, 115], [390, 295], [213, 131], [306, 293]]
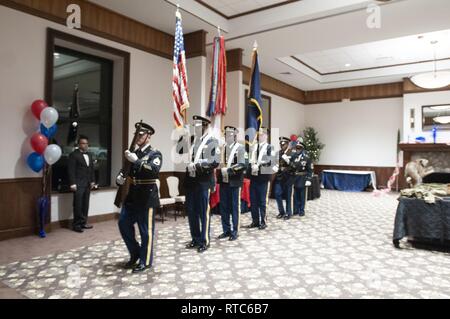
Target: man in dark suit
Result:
[[82, 180]]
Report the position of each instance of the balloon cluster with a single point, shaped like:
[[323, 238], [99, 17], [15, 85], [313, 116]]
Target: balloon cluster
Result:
[[43, 152]]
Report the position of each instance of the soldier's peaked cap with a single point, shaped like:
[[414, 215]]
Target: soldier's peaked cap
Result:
[[284, 139], [201, 118], [231, 128], [145, 128]]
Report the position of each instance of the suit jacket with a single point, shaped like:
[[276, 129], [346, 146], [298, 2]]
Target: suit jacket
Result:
[[79, 173]]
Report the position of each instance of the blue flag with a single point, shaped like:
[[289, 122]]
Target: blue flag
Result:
[[254, 104]]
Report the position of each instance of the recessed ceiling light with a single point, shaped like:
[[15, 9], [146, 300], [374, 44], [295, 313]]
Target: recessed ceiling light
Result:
[[347, 65]]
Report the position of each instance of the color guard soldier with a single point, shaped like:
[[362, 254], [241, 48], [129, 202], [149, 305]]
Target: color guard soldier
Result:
[[303, 176], [141, 200], [230, 178], [199, 181], [284, 178], [262, 163]]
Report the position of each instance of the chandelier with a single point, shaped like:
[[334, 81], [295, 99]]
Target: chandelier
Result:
[[432, 80]]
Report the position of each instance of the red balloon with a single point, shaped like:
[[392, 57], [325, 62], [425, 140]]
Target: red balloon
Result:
[[39, 143], [294, 138], [37, 107]]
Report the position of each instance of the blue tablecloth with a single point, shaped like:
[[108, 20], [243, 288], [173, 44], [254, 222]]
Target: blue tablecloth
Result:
[[346, 181]]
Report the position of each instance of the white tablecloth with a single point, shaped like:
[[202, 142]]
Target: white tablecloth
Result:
[[373, 177]]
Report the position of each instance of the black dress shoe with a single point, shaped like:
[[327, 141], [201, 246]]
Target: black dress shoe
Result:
[[140, 268], [287, 217], [233, 238], [131, 263], [202, 248], [78, 230], [191, 245], [224, 235], [263, 226], [87, 226], [280, 216], [253, 225]]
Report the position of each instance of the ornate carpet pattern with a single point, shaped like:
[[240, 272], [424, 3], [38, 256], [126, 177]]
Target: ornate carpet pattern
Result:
[[341, 249]]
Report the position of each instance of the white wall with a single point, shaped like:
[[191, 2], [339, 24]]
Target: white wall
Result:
[[416, 101], [22, 75], [359, 133]]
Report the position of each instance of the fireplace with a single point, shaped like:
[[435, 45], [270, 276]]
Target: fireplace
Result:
[[438, 155]]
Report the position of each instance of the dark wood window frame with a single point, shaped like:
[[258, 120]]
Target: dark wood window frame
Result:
[[54, 35]]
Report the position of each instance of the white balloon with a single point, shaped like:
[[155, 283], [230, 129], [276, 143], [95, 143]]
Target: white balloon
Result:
[[49, 117], [52, 154]]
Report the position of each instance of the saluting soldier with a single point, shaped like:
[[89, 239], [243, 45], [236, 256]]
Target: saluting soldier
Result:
[[141, 200], [199, 181], [303, 176], [262, 163], [230, 178], [284, 178]]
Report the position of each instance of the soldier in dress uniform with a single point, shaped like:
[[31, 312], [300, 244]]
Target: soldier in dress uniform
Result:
[[230, 178], [284, 178], [262, 163], [199, 181], [141, 200], [303, 176]]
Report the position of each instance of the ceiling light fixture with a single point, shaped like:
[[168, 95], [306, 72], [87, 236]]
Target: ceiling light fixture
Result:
[[442, 119], [432, 80], [347, 65], [440, 107]]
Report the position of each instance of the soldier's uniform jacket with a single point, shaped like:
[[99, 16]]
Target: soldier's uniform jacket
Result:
[[237, 167], [266, 165], [209, 160], [303, 168], [143, 192], [286, 171]]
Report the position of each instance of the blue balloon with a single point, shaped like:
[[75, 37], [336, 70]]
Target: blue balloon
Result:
[[36, 162], [49, 132]]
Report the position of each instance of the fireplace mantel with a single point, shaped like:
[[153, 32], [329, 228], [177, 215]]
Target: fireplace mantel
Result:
[[424, 147], [414, 149]]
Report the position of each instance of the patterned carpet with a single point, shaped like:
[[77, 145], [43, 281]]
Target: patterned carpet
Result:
[[341, 249]]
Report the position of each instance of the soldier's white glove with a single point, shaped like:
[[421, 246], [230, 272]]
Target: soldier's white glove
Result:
[[131, 157], [286, 158], [255, 169], [120, 179], [224, 170], [307, 183], [276, 168], [191, 167], [73, 188]]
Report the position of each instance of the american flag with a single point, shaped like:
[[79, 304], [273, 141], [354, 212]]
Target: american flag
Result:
[[179, 80]]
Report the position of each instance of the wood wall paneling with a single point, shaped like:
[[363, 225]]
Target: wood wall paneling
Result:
[[234, 60], [365, 92], [111, 25], [18, 207]]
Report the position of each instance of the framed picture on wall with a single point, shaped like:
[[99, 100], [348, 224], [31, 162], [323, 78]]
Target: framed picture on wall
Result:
[[266, 111]]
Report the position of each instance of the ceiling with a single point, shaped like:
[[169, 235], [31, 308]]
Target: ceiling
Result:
[[313, 44], [233, 8]]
